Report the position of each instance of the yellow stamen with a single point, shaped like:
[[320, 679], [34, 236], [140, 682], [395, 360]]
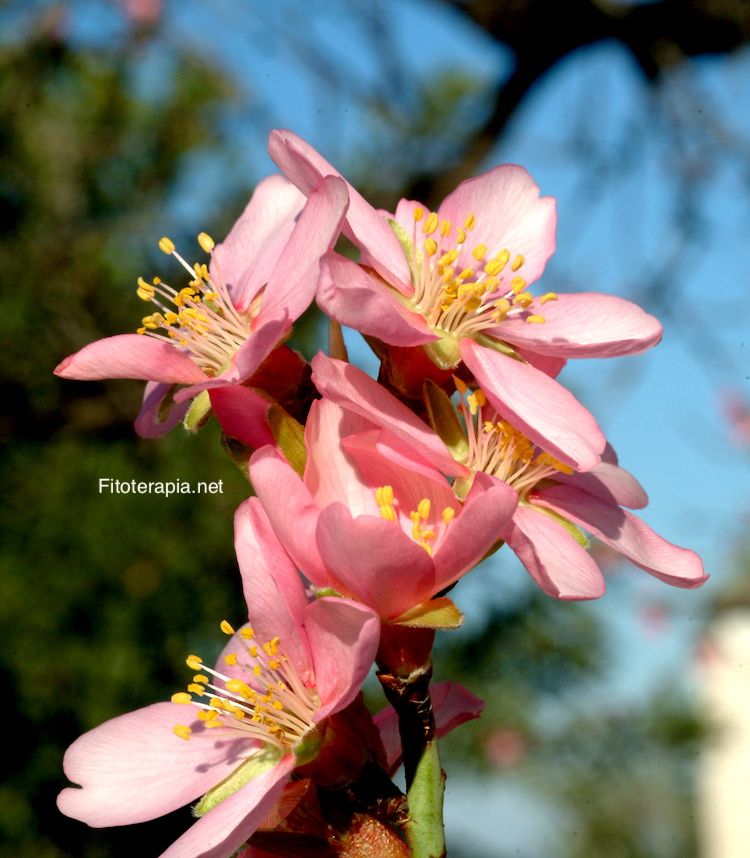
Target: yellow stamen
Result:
[[423, 508], [517, 284], [448, 514], [479, 252], [431, 224], [517, 262], [181, 697], [430, 246], [194, 662], [549, 296], [182, 730], [206, 242], [230, 659], [166, 245], [469, 222], [535, 320], [418, 214], [226, 627]]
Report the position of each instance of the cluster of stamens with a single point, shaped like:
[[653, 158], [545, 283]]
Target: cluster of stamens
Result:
[[423, 532], [200, 317], [272, 704], [498, 448], [465, 302]]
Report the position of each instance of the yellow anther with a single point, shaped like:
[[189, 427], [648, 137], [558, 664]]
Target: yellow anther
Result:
[[166, 245], [196, 688], [469, 222], [517, 263], [277, 704], [388, 512], [479, 252], [182, 730], [472, 402], [199, 677], [535, 320], [448, 514], [430, 246], [226, 627], [418, 214], [148, 322], [517, 284], [140, 331], [523, 299], [237, 686], [549, 296], [230, 659], [214, 722], [426, 547], [206, 242], [447, 258], [194, 662], [445, 228], [248, 633], [181, 697], [461, 234], [493, 267], [145, 291], [490, 283], [256, 670], [461, 386], [502, 305], [503, 257], [480, 398], [466, 274], [253, 650], [423, 508], [430, 224], [384, 495], [271, 647], [274, 664]]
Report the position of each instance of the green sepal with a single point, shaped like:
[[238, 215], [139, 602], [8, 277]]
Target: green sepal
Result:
[[462, 486], [445, 352], [289, 435], [573, 529], [257, 765], [497, 345], [322, 592], [308, 748], [403, 238], [198, 413], [444, 420], [440, 613]]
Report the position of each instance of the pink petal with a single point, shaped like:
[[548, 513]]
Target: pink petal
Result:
[[374, 561], [347, 293], [245, 259], [272, 586], [151, 423], [367, 229], [243, 414], [452, 704], [134, 768], [246, 360], [227, 826], [585, 324], [553, 558], [626, 534], [472, 533], [291, 286], [509, 215], [547, 413], [352, 389], [332, 474], [610, 483], [291, 510], [548, 364], [343, 639], [131, 356]]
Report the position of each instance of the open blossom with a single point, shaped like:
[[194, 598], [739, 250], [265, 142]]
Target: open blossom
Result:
[[238, 732], [554, 501], [371, 526], [455, 281], [214, 333]]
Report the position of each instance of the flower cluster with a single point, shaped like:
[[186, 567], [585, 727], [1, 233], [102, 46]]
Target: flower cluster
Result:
[[372, 498]]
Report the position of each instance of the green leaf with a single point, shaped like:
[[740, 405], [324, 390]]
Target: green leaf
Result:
[[289, 434], [440, 613], [444, 420], [257, 765]]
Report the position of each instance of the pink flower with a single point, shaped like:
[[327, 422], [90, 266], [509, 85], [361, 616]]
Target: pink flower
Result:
[[455, 281], [240, 730], [214, 334], [554, 502], [380, 525]]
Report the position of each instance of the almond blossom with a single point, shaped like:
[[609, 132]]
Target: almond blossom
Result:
[[214, 333], [238, 732], [456, 282], [554, 501], [370, 526]]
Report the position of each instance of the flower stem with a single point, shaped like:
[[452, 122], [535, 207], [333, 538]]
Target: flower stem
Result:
[[410, 697]]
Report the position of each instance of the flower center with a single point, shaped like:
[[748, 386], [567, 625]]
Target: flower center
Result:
[[264, 698], [499, 449], [200, 318], [425, 529], [461, 292]]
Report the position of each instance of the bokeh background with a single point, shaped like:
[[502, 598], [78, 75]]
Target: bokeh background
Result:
[[123, 121]]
